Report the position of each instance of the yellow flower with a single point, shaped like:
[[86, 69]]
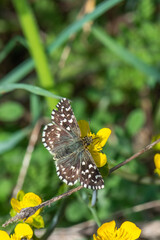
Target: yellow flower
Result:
[[28, 200], [4, 235], [109, 231], [97, 142], [22, 230], [157, 163]]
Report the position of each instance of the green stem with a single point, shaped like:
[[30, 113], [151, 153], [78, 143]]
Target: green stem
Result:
[[95, 216], [90, 208], [30, 30]]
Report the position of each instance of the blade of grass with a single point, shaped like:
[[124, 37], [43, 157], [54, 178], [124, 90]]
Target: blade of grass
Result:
[[13, 140], [95, 216], [73, 28], [123, 53], [18, 72], [35, 107], [4, 88], [8, 48], [27, 66], [31, 32]]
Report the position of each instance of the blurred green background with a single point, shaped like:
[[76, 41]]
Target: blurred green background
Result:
[[109, 69]]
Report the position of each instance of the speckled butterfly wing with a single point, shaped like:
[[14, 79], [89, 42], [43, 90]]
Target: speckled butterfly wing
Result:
[[68, 169], [59, 139], [90, 176], [64, 128], [62, 140], [64, 117]]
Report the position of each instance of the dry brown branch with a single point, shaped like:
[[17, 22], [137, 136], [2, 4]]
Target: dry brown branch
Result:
[[27, 212], [148, 147], [27, 158]]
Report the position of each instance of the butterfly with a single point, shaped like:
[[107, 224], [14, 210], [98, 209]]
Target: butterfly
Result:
[[62, 138]]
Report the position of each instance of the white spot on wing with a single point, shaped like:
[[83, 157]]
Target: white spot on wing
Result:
[[45, 127], [70, 183], [48, 148], [58, 135], [50, 124], [70, 120], [67, 109], [65, 181], [90, 166]]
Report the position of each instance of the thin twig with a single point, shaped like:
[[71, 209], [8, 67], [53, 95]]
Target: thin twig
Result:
[[27, 158], [134, 156], [29, 211]]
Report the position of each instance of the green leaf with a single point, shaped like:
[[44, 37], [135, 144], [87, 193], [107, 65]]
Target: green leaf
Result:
[[4, 88], [135, 121], [11, 111]]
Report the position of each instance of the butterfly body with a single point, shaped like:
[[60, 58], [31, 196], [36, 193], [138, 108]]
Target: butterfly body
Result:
[[67, 150], [62, 138]]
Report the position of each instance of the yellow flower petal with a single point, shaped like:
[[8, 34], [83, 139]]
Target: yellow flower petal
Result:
[[16, 205], [103, 135], [30, 219], [30, 200], [27, 200], [23, 230], [84, 127], [130, 230], [157, 160], [100, 159], [4, 235], [96, 238], [107, 229]]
